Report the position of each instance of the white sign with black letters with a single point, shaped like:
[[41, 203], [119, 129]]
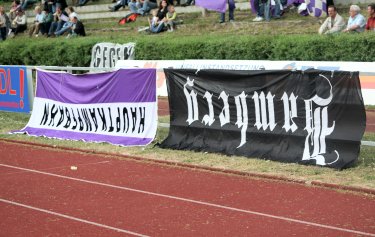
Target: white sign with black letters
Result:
[[107, 54]]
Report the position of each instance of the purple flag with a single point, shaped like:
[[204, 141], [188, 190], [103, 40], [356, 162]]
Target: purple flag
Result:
[[317, 8], [215, 5], [117, 107]]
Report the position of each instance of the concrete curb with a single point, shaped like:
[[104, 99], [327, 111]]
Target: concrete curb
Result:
[[205, 168]]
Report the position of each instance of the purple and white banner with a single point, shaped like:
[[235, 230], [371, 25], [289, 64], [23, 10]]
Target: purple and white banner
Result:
[[118, 107], [215, 5]]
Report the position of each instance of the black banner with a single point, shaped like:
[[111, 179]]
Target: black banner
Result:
[[308, 117]]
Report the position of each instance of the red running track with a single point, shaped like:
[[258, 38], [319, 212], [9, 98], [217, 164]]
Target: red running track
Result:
[[42, 196]]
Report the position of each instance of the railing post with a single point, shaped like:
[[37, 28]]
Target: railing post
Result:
[[204, 12]]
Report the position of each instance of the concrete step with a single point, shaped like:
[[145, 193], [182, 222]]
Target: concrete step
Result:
[[102, 12]]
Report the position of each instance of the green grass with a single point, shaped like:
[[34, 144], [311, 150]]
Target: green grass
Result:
[[361, 175]]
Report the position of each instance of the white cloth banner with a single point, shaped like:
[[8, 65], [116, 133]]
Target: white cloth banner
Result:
[[107, 54]]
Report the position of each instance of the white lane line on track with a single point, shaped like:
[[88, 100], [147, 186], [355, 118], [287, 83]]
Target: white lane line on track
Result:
[[59, 167], [72, 218], [196, 202]]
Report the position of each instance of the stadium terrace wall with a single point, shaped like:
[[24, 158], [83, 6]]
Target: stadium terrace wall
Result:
[[349, 2], [77, 52]]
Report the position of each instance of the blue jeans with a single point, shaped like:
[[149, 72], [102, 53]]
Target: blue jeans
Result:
[[157, 28], [277, 9], [55, 26], [26, 3], [260, 7], [3, 33], [64, 28], [266, 7], [142, 8], [231, 12], [122, 3]]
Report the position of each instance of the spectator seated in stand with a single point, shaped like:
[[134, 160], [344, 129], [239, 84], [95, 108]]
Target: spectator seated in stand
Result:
[[142, 7], [370, 25], [60, 18], [172, 19], [13, 9], [47, 21], [77, 28], [156, 25], [119, 4], [39, 17], [334, 22], [163, 10], [19, 23], [356, 22], [68, 24]]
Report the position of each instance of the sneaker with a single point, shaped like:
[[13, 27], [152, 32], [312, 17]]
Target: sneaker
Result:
[[231, 21], [140, 29], [258, 18]]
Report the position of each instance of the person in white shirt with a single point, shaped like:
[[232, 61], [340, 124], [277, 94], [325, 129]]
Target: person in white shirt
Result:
[[19, 23], [334, 22]]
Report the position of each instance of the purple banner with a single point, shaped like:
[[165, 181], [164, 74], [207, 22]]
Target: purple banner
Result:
[[215, 5], [117, 86], [117, 107]]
